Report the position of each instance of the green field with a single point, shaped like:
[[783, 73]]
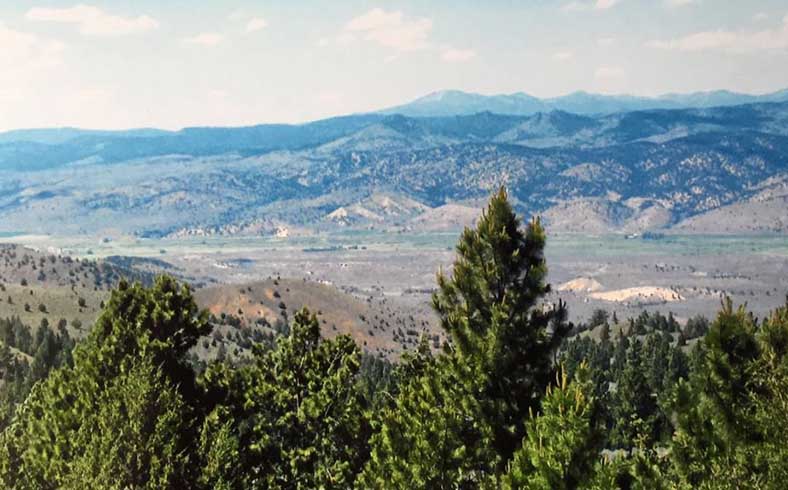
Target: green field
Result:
[[558, 245]]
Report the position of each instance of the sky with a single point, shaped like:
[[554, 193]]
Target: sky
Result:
[[116, 64]]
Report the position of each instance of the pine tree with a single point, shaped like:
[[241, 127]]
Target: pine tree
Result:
[[561, 448], [136, 439], [433, 436], [490, 308], [604, 333], [634, 406], [294, 418], [732, 415], [458, 424], [138, 343]]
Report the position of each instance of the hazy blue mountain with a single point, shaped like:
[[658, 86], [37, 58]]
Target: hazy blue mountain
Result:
[[55, 136], [455, 102], [631, 170], [386, 132]]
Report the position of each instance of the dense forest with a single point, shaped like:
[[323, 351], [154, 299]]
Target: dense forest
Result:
[[517, 398]]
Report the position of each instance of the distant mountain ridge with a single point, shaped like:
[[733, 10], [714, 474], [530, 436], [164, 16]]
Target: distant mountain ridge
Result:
[[456, 102], [625, 172]]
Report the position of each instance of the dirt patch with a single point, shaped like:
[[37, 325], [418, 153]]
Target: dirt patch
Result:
[[642, 294], [581, 284]]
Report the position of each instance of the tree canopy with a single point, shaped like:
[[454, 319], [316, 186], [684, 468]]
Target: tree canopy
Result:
[[516, 398]]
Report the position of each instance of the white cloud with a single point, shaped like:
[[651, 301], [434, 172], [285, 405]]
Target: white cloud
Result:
[[679, 3], [23, 52], [252, 23], [237, 15], [27, 61], [607, 73], [563, 55], [205, 39], [580, 6], [730, 41], [255, 24], [391, 29], [605, 4], [760, 17], [575, 6], [453, 55], [92, 21], [606, 42], [399, 33]]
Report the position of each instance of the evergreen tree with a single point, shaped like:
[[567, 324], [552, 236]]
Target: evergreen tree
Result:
[[604, 333], [294, 418], [732, 415], [138, 343], [136, 438], [635, 406], [561, 448], [459, 423], [432, 437], [490, 308]]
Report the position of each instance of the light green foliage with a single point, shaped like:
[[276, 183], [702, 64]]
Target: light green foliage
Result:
[[134, 440], [299, 421], [131, 364], [561, 445], [733, 416], [434, 435]]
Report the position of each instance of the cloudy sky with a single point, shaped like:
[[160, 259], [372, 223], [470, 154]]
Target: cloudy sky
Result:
[[148, 63]]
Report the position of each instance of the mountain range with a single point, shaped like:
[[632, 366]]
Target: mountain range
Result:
[[456, 102], [703, 169]]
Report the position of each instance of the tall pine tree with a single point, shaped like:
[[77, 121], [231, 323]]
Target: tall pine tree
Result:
[[491, 310], [459, 423]]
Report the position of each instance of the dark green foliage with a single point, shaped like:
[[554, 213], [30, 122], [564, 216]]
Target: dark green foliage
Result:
[[654, 321], [131, 364], [633, 379], [296, 417], [459, 422], [490, 310], [126, 409], [48, 350], [732, 415], [377, 380], [697, 326], [634, 407], [598, 317]]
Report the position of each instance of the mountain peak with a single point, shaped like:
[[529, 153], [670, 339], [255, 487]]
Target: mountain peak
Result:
[[457, 102]]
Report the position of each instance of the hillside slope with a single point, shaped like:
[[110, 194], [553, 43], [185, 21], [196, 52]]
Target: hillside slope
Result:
[[624, 172]]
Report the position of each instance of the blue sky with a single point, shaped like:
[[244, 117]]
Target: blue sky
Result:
[[145, 63]]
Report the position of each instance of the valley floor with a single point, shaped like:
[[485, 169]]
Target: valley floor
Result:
[[685, 274]]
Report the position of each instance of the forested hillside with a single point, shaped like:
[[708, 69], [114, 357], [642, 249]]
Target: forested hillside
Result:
[[515, 398]]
